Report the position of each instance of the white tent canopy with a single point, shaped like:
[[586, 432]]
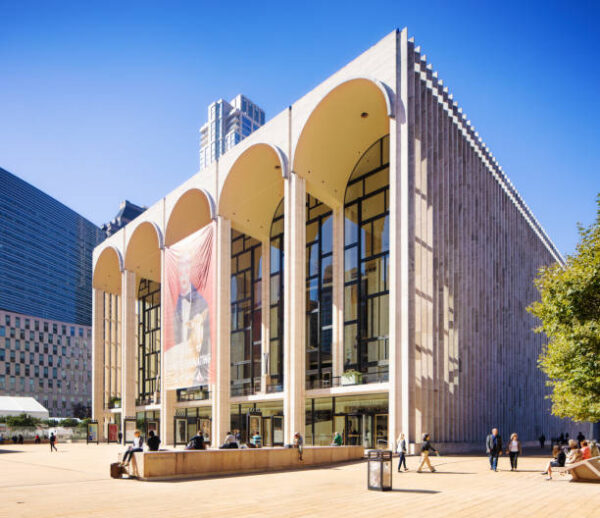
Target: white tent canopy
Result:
[[22, 405]]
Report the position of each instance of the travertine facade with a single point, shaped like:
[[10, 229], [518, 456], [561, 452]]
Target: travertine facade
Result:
[[391, 296]]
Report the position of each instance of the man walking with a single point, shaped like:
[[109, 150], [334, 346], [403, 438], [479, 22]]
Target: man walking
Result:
[[52, 442], [493, 447]]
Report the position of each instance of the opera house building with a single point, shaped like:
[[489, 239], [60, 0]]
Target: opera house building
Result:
[[360, 264]]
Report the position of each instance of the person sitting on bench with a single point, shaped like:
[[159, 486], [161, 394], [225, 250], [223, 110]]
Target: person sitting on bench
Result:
[[153, 441], [196, 442], [138, 442], [230, 442]]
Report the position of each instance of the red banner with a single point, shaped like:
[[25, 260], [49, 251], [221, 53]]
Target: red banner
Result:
[[189, 316]]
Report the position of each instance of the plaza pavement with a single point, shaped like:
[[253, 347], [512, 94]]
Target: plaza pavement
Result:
[[75, 482]]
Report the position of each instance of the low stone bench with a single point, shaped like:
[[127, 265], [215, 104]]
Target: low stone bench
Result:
[[153, 465], [583, 471]]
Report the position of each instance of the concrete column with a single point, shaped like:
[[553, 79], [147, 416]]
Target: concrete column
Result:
[[265, 314], [98, 389], [167, 397], [337, 351], [294, 306], [128, 345], [399, 337], [221, 420]]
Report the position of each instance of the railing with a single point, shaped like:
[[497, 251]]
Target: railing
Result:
[[246, 389], [153, 399], [193, 394], [348, 379]]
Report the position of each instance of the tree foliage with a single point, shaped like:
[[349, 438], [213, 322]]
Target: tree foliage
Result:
[[569, 310], [22, 420]]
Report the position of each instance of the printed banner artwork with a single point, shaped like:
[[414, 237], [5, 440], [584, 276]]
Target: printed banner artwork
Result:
[[190, 310]]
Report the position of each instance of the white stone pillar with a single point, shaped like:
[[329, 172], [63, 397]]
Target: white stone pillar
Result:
[[265, 314], [337, 351], [221, 420], [399, 336], [98, 361], [294, 306], [128, 345], [167, 397]]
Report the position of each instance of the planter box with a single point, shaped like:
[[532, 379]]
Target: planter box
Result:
[[351, 378]]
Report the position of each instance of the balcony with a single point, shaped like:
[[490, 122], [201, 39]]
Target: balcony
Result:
[[348, 378], [200, 393], [114, 402], [148, 399]]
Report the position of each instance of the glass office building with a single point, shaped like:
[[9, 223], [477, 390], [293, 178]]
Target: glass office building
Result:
[[45, 255], [45, 298], [228, 123]]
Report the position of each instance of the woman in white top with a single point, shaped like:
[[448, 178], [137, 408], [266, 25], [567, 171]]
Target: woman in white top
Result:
[[514, 450], [137, 445]]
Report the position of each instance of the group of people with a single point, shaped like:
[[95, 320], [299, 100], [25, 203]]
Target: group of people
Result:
[[576, 450], [570, 453]]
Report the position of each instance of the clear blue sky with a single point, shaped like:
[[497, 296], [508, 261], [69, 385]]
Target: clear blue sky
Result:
[[102, 101]]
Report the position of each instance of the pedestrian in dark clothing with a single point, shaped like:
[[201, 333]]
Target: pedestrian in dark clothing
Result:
[[542, 439], [580, 438], [153, 441], [561, 439], [493, 447], [196, 442], [426, 449], [21, 440], [52, 442], [401, 449], [120, 437]]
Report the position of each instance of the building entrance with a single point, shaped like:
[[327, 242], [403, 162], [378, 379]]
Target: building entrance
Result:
[[363, 429]]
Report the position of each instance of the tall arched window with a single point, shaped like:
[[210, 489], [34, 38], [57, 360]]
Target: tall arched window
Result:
[[276, 303], [246, 270], [319, 292], [366, 256], [148, 341]]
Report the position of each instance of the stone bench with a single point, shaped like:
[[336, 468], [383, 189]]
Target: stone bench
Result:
[[583, 471], [170, 464]]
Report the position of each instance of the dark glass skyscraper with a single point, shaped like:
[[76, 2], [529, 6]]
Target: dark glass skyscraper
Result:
[[45, 255]]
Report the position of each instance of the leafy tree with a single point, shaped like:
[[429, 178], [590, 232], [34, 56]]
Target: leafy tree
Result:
[[21, 420], [69, 422], [569, 309]]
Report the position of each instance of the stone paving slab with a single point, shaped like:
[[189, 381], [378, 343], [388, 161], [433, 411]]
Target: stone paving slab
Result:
[[75, 482]]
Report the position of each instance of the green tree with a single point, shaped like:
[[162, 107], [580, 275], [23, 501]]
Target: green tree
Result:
[[22, 420], [569, 310]]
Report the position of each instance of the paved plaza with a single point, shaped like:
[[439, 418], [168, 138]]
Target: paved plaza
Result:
[[75, 482]]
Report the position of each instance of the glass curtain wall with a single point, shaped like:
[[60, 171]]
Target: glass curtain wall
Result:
[[148, 359], [276, 303], [319, 293], [246, 268], [366, 256]]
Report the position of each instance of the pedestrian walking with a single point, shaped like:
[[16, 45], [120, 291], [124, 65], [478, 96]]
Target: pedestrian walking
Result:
[[514, 450], [542, 439], [53, 442], [401, 450], [493, 447], [580, 438], [426, 449]]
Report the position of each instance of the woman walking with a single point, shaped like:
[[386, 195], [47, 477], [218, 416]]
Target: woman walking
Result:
[[514, 450], [401, 450]]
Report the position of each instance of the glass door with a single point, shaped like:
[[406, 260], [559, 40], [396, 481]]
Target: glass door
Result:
[[354, 430], [381, 431], [277, 430], [267, 427]]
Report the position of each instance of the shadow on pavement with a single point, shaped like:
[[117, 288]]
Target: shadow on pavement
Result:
[[10, 451], [424, 491]]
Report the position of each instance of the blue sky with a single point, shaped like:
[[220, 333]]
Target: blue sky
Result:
[[102, 101]]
